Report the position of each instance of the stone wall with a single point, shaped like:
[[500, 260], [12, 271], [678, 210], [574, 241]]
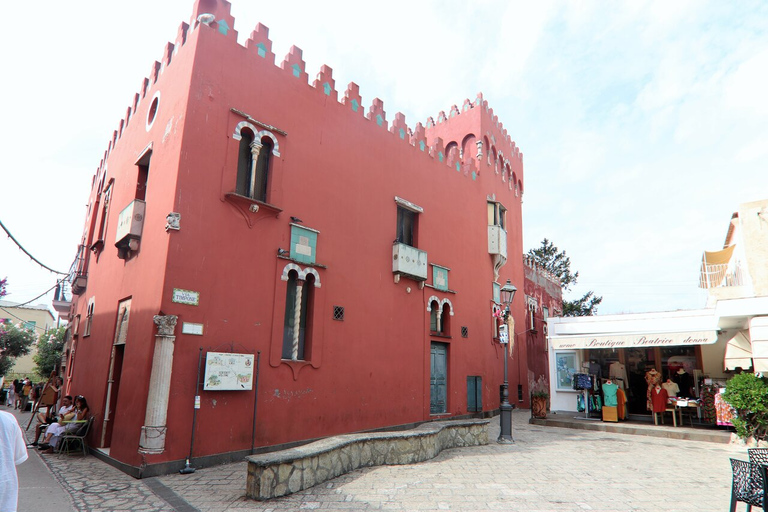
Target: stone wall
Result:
[[276, 474]]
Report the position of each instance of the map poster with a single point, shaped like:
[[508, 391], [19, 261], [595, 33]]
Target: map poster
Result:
[[228, 372]]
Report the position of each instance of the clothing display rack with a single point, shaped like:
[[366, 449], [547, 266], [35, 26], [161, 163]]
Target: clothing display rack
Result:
[[585, 393]]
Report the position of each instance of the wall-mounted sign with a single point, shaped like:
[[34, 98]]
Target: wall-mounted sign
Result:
[[228, 372], [635, 340], [186, 297], [190, 328]]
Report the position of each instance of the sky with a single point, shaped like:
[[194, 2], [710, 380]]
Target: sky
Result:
[[642, 124]]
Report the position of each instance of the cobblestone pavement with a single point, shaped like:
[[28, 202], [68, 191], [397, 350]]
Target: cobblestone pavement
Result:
[[546, 470]]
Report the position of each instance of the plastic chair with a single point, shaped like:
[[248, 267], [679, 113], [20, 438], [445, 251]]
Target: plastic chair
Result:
[[758, 455], [67, 438], [748, 484]]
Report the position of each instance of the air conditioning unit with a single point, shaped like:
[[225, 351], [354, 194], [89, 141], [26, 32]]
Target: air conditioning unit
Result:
[[409, 261]]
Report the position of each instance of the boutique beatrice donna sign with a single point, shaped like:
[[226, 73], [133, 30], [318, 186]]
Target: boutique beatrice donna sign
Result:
[[635, 340]]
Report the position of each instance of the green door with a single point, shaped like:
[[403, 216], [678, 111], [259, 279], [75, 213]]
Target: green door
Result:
[[438, 380]]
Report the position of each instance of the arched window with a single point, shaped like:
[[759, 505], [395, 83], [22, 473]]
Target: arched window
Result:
[[297, 324], [253, 166], [445, 327], [244, 162], [434, 317]]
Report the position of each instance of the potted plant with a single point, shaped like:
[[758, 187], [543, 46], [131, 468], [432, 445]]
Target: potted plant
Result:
[[539, 398]]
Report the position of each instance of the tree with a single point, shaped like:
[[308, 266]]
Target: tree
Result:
[[49, 350], [550, 258], [14, 342]]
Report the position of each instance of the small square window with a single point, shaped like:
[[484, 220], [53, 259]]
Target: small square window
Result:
[[338, 313], [464, 332]]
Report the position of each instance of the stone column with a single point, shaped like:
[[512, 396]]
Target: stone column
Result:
[[153, 432], [255, 151], [297, 321], [479, 144]]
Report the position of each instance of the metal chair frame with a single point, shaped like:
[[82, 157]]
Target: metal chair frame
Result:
[[67, 438], [748, 485]]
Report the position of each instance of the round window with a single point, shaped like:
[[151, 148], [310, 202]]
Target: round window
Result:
[[152, 112]]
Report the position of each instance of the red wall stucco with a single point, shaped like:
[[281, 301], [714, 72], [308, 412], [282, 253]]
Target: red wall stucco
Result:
[[339, 172]]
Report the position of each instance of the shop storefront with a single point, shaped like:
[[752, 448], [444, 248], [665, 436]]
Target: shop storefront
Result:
[[681, 350]]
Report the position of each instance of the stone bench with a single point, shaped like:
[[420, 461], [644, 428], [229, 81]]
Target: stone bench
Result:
[[287, 471]]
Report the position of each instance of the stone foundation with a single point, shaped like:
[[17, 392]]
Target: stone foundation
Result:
[[279, 473]]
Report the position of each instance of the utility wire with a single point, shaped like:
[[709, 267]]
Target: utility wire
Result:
[[28, 254], [32, 300]]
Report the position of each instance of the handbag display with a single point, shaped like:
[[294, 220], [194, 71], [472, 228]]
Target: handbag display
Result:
[[582, 381]]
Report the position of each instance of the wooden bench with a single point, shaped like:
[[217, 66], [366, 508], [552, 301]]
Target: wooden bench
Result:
[[287, 471]]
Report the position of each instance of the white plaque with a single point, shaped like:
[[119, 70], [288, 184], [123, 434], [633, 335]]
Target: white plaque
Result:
[[190, 328]]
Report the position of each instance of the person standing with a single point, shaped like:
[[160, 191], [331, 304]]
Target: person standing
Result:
[[12, 393], [18, 385], [25, 392], [13, 451]]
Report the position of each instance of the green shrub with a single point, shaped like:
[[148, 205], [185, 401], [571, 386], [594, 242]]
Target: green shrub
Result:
[[748, 394]]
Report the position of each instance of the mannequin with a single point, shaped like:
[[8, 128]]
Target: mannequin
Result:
[[685, 382], [671, 387]]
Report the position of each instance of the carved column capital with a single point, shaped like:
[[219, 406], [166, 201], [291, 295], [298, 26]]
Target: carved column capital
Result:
[[165, 324], [479, 143], [256, 148]]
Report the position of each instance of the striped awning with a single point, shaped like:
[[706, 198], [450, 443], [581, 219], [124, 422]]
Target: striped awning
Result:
[[738, 352]]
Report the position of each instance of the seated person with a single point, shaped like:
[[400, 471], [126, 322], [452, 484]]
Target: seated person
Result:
[[55, 430], [48, 418]]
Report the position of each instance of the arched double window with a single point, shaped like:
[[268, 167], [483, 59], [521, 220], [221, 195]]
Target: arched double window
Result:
[[440, 318], [297, 325], [253, 165]]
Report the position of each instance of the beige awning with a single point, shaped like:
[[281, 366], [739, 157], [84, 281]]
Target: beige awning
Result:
[[638, 340], [718, 257], [738, 352]]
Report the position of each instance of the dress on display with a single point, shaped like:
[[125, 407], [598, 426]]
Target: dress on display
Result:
[[618, 372], [724, 411], [609, 392], [659, 399], [652, 378]]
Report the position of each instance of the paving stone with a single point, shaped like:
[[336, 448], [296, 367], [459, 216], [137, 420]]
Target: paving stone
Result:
[[547, 469]]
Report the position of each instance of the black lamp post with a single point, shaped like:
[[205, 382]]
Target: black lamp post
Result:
[[505, 416]]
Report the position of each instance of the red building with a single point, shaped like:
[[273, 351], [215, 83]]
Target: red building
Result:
[[242, 207], [543, 297]]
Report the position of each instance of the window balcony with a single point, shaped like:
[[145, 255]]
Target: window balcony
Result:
[[409, 261], [497, 241], [721, 275]]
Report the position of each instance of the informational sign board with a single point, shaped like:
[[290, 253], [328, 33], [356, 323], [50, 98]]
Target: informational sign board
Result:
[[228, 372]]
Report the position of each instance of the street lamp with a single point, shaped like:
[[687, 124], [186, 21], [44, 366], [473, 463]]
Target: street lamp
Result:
[[505, 415]]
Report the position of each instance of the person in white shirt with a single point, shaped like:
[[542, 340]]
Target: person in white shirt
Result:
[[44, 419], [12, 453]]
